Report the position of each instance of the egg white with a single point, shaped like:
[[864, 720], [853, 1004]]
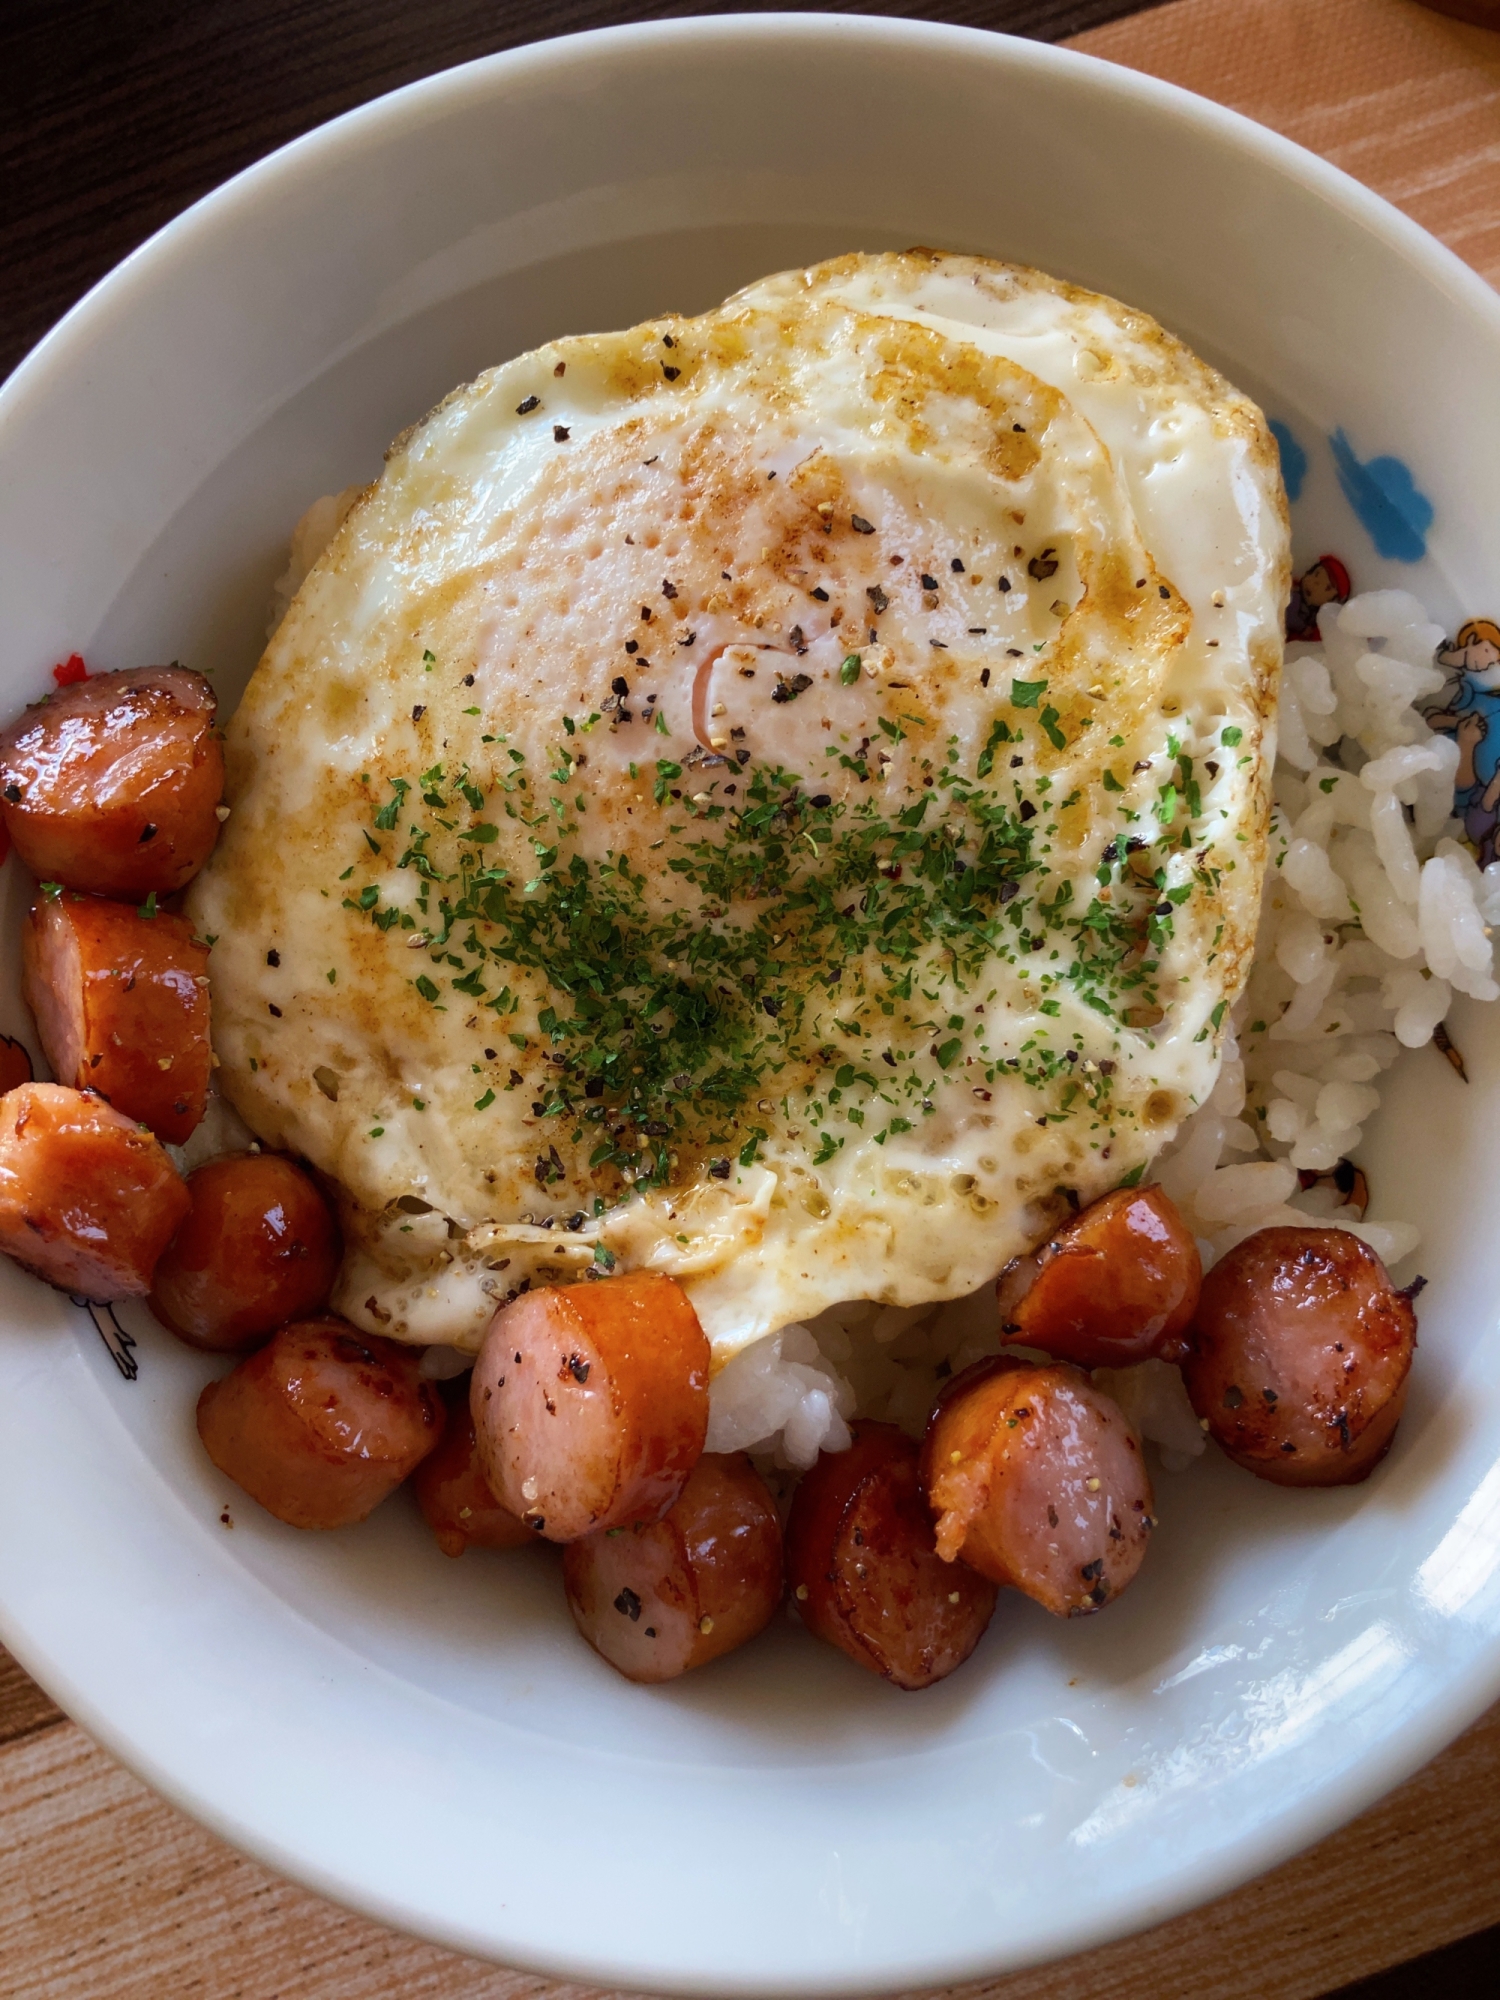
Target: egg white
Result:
[[840, 465]]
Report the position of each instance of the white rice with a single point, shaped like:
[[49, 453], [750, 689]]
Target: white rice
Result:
[[310, 537], [1374, 915], [220, 1130]]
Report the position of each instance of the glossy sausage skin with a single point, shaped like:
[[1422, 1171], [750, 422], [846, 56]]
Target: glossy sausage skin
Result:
[[1115, 1285], [88, 1198], [112, 784], [590, 1403], [259, 1247], [322, 1423], [15, 1063], [864, 1570], [660, 1599], [121, 1006], [1300, 1356], [1038, 1482], [456, 1503]]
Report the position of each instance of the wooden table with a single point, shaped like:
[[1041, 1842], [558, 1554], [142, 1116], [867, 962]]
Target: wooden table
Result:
[[114, 117]]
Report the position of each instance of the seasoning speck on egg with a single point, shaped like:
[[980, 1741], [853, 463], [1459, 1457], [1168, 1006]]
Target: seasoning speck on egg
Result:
[[763, 818]]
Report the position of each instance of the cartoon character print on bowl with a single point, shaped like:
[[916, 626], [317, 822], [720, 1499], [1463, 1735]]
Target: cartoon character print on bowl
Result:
[[118, 1341], [1325, 581], [1471, 715]]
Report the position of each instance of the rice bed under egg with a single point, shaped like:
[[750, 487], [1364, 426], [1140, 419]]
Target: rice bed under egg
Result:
[[1374, 915], [1373, 912]]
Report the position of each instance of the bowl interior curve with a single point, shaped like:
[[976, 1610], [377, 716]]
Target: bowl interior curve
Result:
[[427, 1739]]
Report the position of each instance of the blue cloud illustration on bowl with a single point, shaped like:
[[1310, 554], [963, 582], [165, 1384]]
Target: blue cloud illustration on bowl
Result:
[[1391, 507], [1396, 514], [1382, 491]]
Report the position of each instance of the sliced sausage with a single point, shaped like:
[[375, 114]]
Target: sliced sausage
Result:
[[121, 1006], [88, 1198], [112, 785], [662, 1597], [590, 1403], [322, 1423], [864, 1569], [455, 1501], [1300, 1354], [1038, 1482], [1115, 1285], [259, 1247], [15, 1063]]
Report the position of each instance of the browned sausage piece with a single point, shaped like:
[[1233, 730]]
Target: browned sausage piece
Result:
[[659, 1599], [456, 1503], [88, 1198], [1300, 1356], [259, 1248], [1115, 1285], [15, 1063], [112, 785], [322, 1423], [590, 1403], [1038, 1481], [121, 1005], [864, 1570]]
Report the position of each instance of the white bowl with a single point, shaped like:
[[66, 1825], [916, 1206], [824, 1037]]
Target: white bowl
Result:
[[427, 1740]]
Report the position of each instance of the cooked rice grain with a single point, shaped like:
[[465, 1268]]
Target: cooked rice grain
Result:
[[1374, 915]]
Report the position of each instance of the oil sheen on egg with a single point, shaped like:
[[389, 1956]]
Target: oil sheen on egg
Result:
[[777, 798]]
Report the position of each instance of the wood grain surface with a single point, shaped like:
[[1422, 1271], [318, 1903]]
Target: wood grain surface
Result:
[[107, 1893], [112, 118], [1402, 98], [116, 114]]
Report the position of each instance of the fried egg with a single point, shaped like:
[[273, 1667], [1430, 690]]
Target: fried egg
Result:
[[777, 798]]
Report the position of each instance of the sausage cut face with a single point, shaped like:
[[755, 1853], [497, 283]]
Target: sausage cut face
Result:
[[660, 1598], [112, 785], [454, 1496], [590, 1403], [88, 1199], [322, 1423], [864, 1569], [1038, 1482], [121, 1005], [259, 1248], [1116, 1284], [1300, 1356]]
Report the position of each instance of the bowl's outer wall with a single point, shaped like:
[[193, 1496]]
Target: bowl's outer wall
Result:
[[429, 1742]]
